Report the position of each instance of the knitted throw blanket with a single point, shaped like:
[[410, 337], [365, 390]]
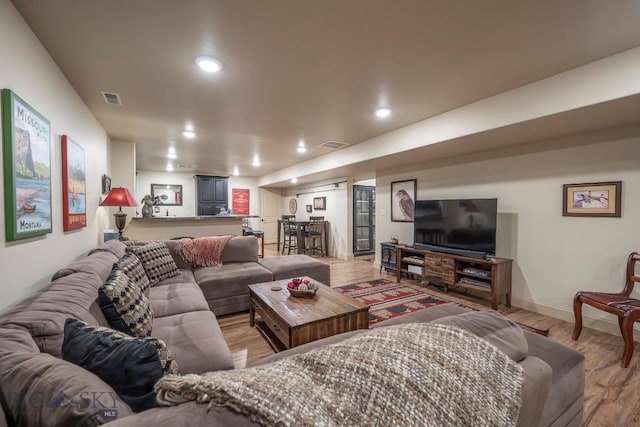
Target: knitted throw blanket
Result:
[[202, 251], [411, 374]]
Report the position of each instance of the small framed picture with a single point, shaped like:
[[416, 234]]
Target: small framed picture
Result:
[[309, 208], [593, 199], [320, 203], [403, 199], [106, 184]]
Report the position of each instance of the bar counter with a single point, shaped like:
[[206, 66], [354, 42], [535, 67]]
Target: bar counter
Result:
[[169, 227]]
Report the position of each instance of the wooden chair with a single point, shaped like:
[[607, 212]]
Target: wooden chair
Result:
[[621, 304], [290, 230], [314, 232]]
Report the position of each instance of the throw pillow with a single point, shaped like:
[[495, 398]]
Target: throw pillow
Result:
[[125, 306], [131, 366], [131, 266], [157, 262]]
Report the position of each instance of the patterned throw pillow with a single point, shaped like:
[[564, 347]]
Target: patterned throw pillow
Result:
[[157, 262], [125, 306], [130, 365], [131, 266]]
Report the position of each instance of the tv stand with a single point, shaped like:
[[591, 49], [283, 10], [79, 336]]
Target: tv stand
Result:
[[491, 275]]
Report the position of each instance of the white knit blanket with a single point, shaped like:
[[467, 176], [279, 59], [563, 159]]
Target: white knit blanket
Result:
[[410, 375]]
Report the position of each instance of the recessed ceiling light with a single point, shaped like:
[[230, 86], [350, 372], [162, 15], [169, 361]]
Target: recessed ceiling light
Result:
[[382, 113], [172, 155], [169, 167], [172, 150], [256, 161], [189, 134], [294, 180], [302, 148], [209, 64], [236, 172]]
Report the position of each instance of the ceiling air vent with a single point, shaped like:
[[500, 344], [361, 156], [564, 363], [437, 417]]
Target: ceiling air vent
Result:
[[333, 144], [111, 98], [185, 166]]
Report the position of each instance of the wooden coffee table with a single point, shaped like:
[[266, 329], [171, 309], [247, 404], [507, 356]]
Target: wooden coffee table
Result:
[[287, 321]]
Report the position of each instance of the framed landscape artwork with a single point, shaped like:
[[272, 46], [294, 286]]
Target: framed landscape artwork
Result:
[[166, 194], [593, 199], [74, 185], [27, 169], [403, 199]]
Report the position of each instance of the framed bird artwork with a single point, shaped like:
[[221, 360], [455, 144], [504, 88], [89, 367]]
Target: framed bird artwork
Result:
[[403, 198]]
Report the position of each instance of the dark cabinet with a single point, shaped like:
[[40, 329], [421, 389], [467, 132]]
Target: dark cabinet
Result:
[[211, 194]]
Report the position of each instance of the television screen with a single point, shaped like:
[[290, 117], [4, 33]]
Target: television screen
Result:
[[463, 224]]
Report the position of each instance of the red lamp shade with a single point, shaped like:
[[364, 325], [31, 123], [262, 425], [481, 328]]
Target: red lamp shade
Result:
[[119, 196]]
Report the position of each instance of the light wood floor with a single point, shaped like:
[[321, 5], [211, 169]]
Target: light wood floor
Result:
[[612, 393]]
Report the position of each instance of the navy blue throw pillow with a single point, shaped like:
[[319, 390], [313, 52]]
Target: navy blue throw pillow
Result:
[[130, 365]]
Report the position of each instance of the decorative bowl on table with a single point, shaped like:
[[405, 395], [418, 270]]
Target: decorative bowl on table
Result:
[[302, 288]]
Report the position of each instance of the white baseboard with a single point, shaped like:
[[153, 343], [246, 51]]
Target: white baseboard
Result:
[[610, 327]]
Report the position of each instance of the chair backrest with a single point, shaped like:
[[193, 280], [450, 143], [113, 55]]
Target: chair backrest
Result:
[[316, 224], [631, 278], [288, 226]]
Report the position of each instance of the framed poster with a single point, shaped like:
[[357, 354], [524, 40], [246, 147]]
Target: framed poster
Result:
[[74, 186], [166, 194], [320, 203], [595, 199], [27, 169], [403, 197], [240, 201]]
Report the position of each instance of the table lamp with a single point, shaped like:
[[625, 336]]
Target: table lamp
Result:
[[119, 196]]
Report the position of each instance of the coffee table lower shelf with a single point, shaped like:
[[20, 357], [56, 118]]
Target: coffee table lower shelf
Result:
[[269, 336]]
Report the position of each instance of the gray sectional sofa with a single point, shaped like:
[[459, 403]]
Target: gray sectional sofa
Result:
[[38, 387]]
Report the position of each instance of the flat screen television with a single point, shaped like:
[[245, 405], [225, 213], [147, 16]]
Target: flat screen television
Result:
[[460, 226]]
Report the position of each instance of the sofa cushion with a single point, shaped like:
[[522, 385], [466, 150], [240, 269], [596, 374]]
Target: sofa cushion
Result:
[[157, 261], [131, 266], [130, 365], [43, 390], [240, 249], [116, 247], [43, 313], [125, 306], [99, 263], [494, 328], [231, 279], [184, 276], [286, 267], [172, 245], [196, 341], [176, 298]]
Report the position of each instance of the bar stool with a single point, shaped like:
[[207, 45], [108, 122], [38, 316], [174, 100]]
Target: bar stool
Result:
[[248, 231], [290, 235], [315, 231]]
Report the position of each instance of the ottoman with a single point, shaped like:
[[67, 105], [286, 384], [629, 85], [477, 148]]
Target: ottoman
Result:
[[286, 267]]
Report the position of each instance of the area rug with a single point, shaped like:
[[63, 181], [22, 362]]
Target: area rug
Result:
[[388, 299]]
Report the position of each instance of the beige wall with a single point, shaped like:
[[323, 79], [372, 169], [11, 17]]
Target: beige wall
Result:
[[27, 69], [144, 180], [338, 212], [555, 256]]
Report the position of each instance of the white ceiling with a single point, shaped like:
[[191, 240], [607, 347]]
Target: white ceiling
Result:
[[316, 70]]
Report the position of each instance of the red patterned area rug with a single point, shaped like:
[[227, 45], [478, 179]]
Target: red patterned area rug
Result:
[[388, 299]]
